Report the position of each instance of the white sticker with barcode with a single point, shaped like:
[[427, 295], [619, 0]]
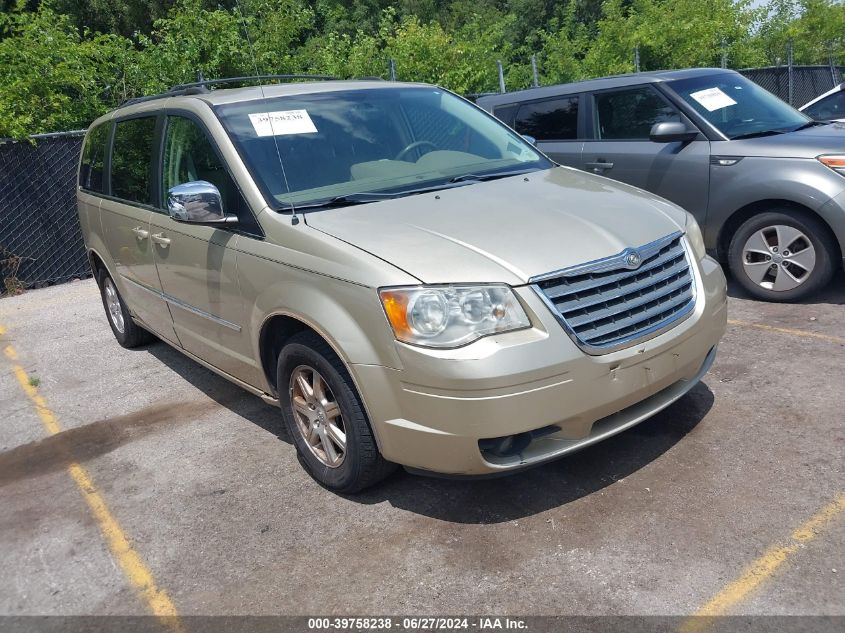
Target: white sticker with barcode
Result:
[[281, 123], [713, 99]]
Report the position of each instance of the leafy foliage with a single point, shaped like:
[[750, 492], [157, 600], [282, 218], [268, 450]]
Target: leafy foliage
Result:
[[64, 62]]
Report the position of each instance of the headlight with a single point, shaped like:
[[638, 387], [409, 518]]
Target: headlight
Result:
[[451, 316], [694, 237], [836, 163]]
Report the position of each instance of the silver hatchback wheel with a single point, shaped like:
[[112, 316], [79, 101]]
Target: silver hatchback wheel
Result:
[[318, 417], [115, 310], [778, 258]]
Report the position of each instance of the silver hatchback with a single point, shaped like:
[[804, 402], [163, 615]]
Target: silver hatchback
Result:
[[765, 182]]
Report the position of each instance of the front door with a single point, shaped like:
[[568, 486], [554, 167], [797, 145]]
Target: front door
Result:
[[620, 148], [197, 264], [125, 218]]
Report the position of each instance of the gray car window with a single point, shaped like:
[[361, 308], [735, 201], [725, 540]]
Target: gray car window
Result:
[[831, 107], [93, 159], [630, 113], [550, 119], [132, 160]]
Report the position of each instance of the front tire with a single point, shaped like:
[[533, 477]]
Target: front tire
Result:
[[125, 330], [782, 255], [325, 418]]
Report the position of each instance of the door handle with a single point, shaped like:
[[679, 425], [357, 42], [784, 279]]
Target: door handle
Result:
[[140, 233], [159, 239], [599, 166]]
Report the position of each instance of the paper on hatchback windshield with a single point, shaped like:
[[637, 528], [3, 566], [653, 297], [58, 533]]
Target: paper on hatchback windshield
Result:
[[712, 99], [282, 122]]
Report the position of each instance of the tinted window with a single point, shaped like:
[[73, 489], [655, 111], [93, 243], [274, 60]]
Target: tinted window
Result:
[[831, 107], [93, 159], [630, 114], [554, 119], [132, 159], [506, 113], [189, 156]]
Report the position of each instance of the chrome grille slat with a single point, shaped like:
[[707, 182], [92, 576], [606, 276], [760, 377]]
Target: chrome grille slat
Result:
[[593, 282], [592, 317], [575, 303], [634, 319], [605, 305]]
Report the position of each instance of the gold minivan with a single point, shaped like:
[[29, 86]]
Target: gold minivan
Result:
[[409, 279]]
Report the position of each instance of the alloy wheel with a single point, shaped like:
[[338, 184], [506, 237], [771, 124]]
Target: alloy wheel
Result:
[[778, 258], [113, 305], [318, 415]]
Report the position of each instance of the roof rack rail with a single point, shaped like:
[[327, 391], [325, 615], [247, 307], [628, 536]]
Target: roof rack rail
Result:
[[228, 80], [200, 87]]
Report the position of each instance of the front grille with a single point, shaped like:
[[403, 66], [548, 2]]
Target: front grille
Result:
[[605, 304]]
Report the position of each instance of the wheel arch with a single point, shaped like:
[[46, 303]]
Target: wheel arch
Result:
[[277, 329], [97, 263]]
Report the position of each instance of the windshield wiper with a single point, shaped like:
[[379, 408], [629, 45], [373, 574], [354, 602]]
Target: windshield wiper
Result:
[[493, 176], [339, 201], [364, 198], [809, 124], [759, 134]]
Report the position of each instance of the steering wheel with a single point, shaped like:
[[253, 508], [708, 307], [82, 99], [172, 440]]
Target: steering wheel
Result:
[[401, 155]]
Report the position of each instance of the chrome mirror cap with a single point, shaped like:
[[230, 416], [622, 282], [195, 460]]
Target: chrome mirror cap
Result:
[[198, 202]]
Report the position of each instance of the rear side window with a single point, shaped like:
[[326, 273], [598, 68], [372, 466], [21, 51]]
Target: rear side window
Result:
[[131, 162], [93, 159], [549, 120], [506, 113], [630, 114]]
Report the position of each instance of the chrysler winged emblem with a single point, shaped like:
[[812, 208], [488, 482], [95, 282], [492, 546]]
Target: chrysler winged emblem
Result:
[[632, 260]]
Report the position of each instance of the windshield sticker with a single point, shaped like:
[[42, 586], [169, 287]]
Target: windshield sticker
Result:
[[281, 123], [713, 99]]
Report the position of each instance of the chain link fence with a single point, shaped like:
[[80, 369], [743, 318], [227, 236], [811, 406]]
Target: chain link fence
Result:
[[40, 238], [796, 84]]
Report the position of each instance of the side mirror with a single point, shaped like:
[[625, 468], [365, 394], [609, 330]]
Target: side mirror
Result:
[[671, 131], [530, 139], [197, 202]]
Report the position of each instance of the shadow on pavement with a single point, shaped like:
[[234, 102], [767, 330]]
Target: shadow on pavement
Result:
[[227, 394], [490, 500]]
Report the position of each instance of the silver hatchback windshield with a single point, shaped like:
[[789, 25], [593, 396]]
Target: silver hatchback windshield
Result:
[[360, 145], [738, 107]]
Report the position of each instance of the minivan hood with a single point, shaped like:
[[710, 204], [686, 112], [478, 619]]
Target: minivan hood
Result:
[[506, 230], [807, 143]]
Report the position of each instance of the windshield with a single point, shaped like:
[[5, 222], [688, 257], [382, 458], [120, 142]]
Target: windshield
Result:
[[738, 107], [382, 141]]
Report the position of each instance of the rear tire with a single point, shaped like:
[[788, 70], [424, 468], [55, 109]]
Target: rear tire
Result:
[[782, 255], [128, 333], [325, 418]]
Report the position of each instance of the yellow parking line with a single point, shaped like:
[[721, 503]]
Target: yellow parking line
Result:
[[786, 330], [133, 566], [763, 568]]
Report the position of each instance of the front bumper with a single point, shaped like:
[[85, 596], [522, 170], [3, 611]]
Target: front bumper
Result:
[[432, 414]]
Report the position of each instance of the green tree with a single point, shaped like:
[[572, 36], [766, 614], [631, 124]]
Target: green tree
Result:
[[55, 78]]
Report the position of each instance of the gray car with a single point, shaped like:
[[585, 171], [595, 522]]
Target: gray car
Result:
[[766, 182]]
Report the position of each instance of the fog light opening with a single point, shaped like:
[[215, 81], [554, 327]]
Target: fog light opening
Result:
[[506, 446]]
